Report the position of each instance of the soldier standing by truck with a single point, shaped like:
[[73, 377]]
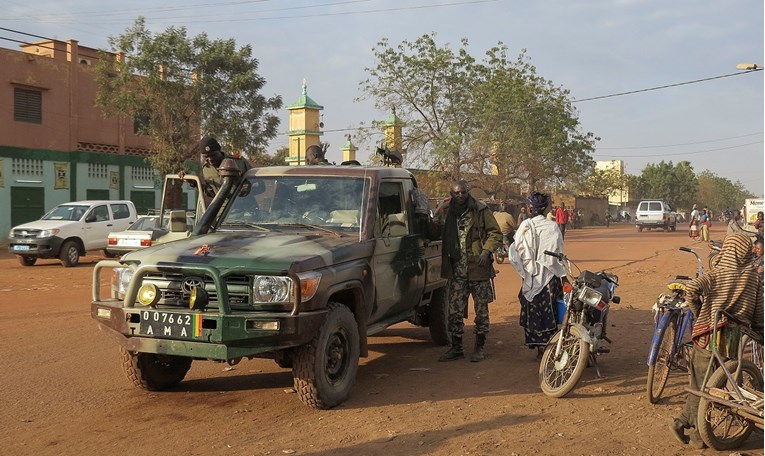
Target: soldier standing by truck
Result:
[[470, 235]]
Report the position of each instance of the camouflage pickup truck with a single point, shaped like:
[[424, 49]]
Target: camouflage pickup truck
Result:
[[298, 264]]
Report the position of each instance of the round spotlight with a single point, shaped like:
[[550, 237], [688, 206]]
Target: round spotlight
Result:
[[199, 298], [148, 294]]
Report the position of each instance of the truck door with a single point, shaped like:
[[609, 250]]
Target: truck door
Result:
[[399, 276], [98, 225]]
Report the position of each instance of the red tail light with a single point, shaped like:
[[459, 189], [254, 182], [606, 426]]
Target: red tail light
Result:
[[145, 242], [112, 241], [567, 288]]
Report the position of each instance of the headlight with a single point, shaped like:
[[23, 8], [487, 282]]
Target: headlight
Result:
[[589, 296], [47, 233], [120, 279], [271, 289]]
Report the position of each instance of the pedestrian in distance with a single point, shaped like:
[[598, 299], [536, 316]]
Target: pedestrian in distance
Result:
[[470, 235], [505, 221], [561, 218], [736, 287], [542, 275], [522, 215]]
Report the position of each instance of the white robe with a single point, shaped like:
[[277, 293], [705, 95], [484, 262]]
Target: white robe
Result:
[[534, 236]]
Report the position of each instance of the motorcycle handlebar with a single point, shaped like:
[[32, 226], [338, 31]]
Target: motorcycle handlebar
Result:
[[686, 249], [556, 255]]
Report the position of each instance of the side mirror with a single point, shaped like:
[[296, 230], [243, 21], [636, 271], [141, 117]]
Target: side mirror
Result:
[[90, 218]]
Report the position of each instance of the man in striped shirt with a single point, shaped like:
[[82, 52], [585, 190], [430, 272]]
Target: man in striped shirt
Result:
[[735, 286]]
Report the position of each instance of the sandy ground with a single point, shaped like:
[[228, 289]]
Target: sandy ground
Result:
[[64, 393]]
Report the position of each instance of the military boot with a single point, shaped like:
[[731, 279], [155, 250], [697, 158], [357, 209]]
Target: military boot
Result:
[[480, 341], [455, 352]]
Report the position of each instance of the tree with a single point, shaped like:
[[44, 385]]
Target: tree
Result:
[[605, 182], [430, 88], [676, 184], [719, 193], [493, 117], [527, 127], [177, 85]]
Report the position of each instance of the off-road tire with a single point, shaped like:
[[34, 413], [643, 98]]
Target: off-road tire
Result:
[[69, 254], [26, 260], [729, 430], [438, 317], [557, 381], [658, 372], [324, 369], [154, 372]]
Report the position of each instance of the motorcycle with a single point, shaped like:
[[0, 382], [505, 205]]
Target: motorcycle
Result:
[[582, 334]]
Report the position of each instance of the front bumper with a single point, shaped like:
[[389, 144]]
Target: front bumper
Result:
[[224, 333], [35, 247], [223, 336]]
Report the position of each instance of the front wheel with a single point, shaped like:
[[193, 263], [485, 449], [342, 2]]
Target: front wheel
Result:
[[323, 370], [499, 258], [658, 372], [70, 254], [154, 372], [719, 426], [558, 377]]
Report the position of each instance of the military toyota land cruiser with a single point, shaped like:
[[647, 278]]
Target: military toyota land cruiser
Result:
[[299, 264]]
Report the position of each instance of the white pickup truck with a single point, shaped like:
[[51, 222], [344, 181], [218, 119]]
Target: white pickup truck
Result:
[[69, 230], [655, 214]]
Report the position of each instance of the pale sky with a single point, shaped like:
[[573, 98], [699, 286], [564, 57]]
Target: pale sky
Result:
[[593, 48]]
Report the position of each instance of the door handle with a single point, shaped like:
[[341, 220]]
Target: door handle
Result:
[[108, 224]]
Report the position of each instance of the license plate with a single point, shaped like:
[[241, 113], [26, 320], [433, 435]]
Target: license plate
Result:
[[21, 248], [129, 242], [170, 324]]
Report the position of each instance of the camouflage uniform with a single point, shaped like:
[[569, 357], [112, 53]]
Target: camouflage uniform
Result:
[[460, 288]]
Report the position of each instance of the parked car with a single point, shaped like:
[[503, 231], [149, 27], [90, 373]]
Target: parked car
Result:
[[172, 221], [146, 231], [655, 214], [70, 230]]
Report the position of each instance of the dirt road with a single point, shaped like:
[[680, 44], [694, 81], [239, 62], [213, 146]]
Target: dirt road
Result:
[[64, 393]]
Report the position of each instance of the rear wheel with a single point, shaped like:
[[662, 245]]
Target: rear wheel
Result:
[[658, 372], [719, 427], [640, 229], [154, 372], [558, 377], [70, 254], [26, 260], [438, 321]]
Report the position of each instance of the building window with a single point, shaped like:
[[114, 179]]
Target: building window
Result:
[[27, 105], [141, 123], [98, 171]]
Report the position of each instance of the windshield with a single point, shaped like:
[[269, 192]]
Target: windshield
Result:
[[333, 202], [69, 212]]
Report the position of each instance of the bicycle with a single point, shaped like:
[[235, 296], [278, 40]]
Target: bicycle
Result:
[[669, 349], [731, 393]]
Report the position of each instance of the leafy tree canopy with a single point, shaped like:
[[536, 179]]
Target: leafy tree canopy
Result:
[[675, 183], [497, 118], [180, 85]]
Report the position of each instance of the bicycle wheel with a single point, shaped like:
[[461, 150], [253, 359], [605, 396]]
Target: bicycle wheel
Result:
[[658, 372], [719, 426]]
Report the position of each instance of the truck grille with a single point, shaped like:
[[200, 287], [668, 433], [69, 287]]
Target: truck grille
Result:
[[175, 289], [25, 233]]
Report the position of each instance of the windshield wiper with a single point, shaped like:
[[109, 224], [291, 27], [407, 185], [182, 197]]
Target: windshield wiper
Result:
[[316, 227], [242, 223]]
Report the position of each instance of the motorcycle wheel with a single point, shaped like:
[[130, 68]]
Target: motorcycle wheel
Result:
[[558, 377], [499, 258], [658, 372], [719, 426]]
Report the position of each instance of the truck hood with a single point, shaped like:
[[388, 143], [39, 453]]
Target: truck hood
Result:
[[46, 224], [270, 252]]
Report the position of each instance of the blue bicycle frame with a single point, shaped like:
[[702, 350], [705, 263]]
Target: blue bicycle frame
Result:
[[667, 315]]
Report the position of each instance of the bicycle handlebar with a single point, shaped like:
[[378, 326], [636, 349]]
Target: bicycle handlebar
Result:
[[559, 256]]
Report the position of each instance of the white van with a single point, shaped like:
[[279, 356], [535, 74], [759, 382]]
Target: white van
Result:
[[655, 214], [69, 230]]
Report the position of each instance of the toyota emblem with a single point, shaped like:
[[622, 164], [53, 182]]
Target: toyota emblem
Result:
[[190, 283]]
